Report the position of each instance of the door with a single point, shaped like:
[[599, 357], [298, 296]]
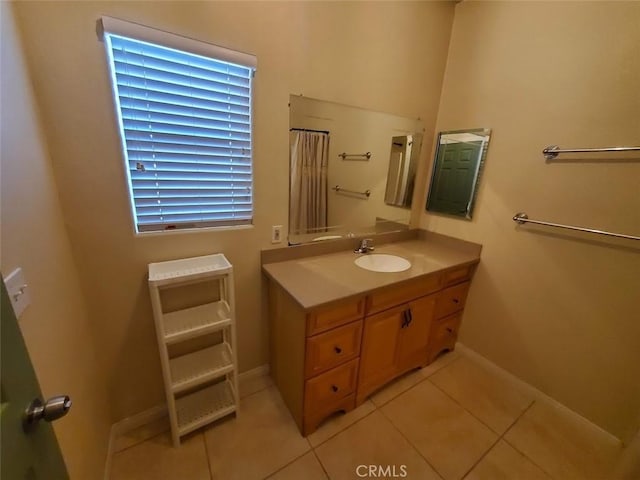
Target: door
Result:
[[414, 337], [34, 455], [379, 349], [457, 165]]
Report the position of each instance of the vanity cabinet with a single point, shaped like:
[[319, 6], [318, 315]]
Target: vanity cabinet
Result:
[[394, 341], [330, 358], [448, 315]]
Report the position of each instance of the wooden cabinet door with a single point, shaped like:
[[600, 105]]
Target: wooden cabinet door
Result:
[[414, 334], [379, 350]]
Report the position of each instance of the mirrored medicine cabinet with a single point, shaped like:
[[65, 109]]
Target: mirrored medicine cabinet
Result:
[[458, 163], [351, 170]]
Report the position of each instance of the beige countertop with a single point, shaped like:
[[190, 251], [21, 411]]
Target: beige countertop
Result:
[[314, 281]]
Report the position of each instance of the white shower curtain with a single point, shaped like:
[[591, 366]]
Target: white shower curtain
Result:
[[308, 181]]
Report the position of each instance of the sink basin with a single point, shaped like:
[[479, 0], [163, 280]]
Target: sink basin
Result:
[[380, 262]]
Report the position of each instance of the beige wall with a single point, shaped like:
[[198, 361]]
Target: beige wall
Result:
[[558, 310], [382, 56], [56, 324]]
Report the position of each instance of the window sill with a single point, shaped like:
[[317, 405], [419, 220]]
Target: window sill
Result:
[[183, 231]]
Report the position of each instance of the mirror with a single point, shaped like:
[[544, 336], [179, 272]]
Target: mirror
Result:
[[339, 164], [458, 162], [403, 162]]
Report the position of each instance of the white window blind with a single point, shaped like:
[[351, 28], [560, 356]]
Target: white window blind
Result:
[[185, 122]]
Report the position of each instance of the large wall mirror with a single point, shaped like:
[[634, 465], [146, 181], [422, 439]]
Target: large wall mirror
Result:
[[351, 170], [458, 162]]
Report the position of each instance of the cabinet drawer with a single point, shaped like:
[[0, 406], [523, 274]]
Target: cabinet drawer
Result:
[[334, 315], [451, 299], [443, 336], [329, 349], [457, 275], [404, 292], [330, 387]]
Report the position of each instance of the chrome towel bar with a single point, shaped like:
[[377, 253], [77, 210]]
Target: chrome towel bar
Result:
[[338, 188], [344, 155], [522, 218], [552, 151]]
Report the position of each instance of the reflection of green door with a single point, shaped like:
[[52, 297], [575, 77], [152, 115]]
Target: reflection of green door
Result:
[[455, 174], [35, 455]]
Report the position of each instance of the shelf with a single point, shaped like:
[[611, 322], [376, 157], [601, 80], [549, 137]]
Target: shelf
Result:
[[204, 406], [193, 399], [188, 269], [192, 322], [201, 366]]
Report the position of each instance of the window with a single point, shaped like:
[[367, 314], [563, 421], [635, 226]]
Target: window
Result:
[[184, 111]]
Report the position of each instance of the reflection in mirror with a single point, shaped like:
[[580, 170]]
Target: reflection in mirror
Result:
[[458, 162], [339, 160], [403, 161]]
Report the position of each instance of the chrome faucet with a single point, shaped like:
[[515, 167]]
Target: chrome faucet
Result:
[[365, 246]]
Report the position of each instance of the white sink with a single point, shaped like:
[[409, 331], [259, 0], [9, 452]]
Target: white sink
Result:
[[380, 262]]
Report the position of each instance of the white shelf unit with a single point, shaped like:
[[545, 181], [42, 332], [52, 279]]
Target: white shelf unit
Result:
[[202, 385]]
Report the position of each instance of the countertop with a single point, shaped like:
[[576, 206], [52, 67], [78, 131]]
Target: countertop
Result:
[[317, 280]]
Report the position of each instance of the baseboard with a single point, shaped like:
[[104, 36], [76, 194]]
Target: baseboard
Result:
[[107, 463], [254, 372], [531, 390]]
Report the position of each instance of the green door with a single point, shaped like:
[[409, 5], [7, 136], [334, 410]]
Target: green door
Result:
[[34, 455], [457, 165]]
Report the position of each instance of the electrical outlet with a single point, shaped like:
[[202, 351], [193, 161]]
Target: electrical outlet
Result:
[[276, 234]]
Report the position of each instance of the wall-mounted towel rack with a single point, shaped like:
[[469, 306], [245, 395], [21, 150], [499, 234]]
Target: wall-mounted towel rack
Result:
[[338, 188], [293, 129], [522, 217], [552, 151], [346, 155]]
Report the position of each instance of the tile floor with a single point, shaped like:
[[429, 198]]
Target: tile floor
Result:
[[451, 420]]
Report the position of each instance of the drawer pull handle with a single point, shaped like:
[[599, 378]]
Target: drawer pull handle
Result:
[[450, 330], [338, 350], [334, 388], [455, 300]]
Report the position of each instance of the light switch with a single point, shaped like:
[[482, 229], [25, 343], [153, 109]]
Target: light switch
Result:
[[18, 291]]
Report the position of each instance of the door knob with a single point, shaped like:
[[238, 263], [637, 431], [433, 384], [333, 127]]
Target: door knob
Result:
[[55, 408]]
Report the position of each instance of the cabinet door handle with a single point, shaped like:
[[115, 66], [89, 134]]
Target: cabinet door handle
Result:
[[405, 320], [334, 388], [450, 330], [338, 350], [410, 315], [455, 300]]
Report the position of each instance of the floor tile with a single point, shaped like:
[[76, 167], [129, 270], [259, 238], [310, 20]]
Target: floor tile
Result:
[[306, 467], [253, 383], [442, 361], [339, 422], [142, 433], [396, 387], [627, 465], [260, 440], [156, 459], [503, 462], [372, 441], [564, 446], [494, 400], [448, 436]]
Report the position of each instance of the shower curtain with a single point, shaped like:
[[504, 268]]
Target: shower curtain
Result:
[[308, 181]]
